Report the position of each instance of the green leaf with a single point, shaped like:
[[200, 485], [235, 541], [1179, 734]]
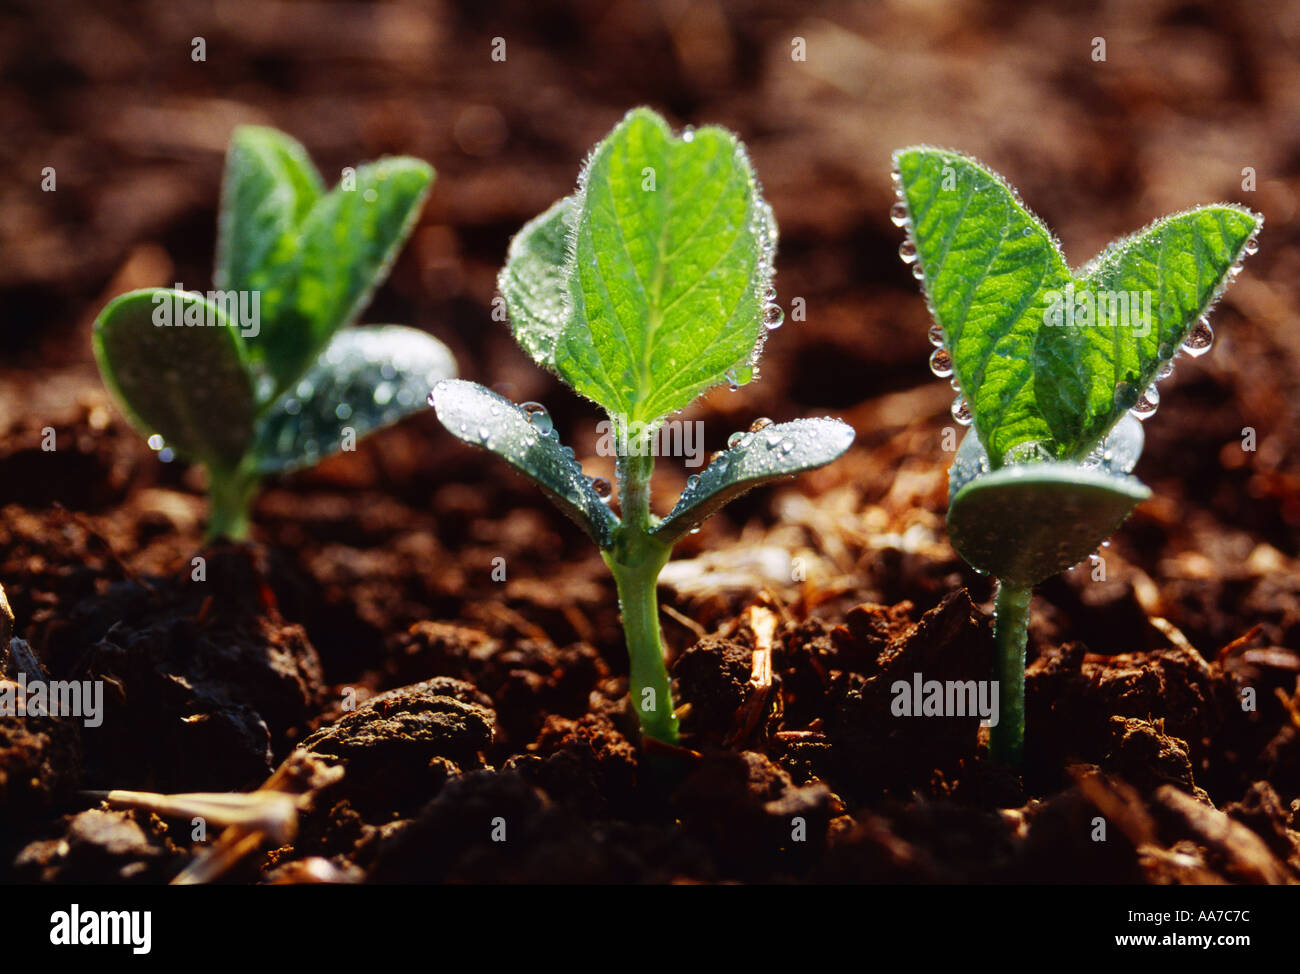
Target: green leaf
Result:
[[534, 282], [773, 453], [268, 188], [319, 279], [672, 255], [480, 417], [997, 284], [185, 381], [367, 378], [1026, 522], [988, 265], [1145, 293]]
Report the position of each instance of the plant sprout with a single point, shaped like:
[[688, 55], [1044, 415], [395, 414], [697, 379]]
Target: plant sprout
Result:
[[1055, 369], [646, 288], [262, 375]]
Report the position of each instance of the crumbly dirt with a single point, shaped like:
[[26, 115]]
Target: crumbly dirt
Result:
[[477, 730]]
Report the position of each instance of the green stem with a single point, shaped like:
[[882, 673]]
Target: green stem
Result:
[[230, 494], [1010, 635], [636, 559]]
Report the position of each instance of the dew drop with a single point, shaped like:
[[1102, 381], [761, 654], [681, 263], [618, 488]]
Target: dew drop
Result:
[[773, 317], [761, 423], [484, 434], [1147, 403], [695, 529], [936, 336], [692, 480], [737, 439], [961, 411], [907, 251], [537, 415], [732, 384], [918, 272], [898, 214], [1199, 339], [769, 296], [1251, 246], [941, 363], [786, 447], [602, 488], [688, 134], [1165, 371]]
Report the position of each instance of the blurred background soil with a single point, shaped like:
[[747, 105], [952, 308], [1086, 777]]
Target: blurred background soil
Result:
[[1194, 102]]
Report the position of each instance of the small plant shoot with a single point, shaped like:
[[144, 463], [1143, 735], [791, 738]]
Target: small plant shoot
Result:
[[263, 375], [1054, 370], [648, 287]]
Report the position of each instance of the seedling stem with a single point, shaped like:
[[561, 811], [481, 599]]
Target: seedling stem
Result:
[[1010, 636], [636, 559], [231, 494]]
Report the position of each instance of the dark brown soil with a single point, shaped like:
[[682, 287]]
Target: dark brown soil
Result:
[[477, 730]]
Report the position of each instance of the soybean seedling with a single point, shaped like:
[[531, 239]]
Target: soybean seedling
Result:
[[262, 375], [1055, 368], [643, 290]]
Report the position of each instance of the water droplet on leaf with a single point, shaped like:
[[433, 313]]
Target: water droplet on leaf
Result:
[[941, 363], [537, 415], [1199, 339], [1147, 403], [961, 411]]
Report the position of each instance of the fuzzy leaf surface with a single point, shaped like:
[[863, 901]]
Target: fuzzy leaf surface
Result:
[[1031, 371], [671, 255], [320, 278], [367, 378], [480, 417], [774, 453], [268, 188]]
